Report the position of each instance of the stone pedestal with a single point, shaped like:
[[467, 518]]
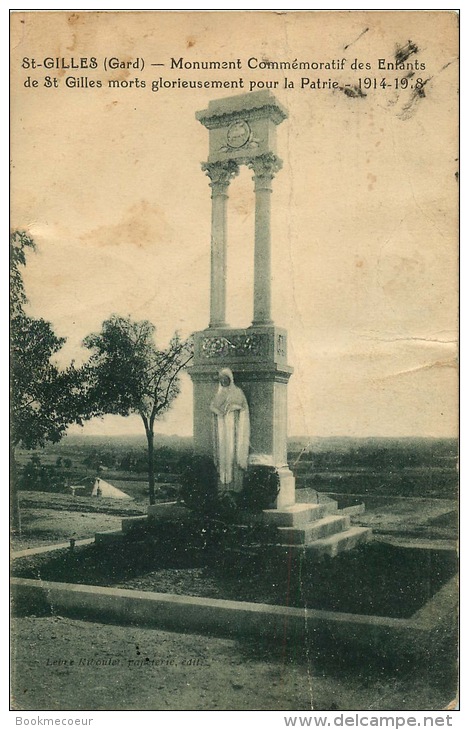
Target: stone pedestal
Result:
[[258, 358]]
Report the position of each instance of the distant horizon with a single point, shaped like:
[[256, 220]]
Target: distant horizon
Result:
[[294, 437], [178, 423]]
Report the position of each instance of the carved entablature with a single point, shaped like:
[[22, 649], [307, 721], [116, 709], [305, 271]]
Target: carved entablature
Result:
[[212, 120], [242, 127], [217, 348], [264, 345]]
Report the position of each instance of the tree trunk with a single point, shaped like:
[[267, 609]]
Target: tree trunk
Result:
[[15, 518], [151, 466]]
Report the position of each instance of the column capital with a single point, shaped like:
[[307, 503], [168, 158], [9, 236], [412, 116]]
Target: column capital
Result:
[[264, 167], [220, 174]]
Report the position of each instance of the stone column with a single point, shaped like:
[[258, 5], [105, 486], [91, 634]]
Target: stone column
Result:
[[220, 174], [264, 167]]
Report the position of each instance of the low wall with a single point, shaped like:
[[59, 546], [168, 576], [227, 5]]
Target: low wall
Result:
[[433, 625]]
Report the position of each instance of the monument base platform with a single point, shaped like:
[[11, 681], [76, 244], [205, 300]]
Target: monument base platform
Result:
[[306, 530]]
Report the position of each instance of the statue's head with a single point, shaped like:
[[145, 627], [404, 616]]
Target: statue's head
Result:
[[225, 378]]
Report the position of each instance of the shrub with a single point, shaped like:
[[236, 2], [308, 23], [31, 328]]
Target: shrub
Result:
[[36, 477], [199, 489], [260, 488], [199, 484]]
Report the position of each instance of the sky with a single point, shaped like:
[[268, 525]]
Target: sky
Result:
[[364, 211]]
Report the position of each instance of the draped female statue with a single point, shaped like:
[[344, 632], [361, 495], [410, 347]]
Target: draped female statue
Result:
[[231, 431]]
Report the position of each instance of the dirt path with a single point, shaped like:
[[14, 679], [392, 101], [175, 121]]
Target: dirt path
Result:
[[146, 669], [49, 526]]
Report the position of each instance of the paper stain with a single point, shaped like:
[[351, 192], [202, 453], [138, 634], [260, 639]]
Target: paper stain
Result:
[[404, 52], [396, 273], [353, 92], [74, 19], [417, 94], [71, 47], [356, 39], [372, 179], [142, 226], [57, 280]]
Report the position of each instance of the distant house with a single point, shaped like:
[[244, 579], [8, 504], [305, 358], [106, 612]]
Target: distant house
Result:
[[73, 488], [107, 491]]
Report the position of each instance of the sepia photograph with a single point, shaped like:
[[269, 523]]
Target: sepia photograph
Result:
[[234, 362]]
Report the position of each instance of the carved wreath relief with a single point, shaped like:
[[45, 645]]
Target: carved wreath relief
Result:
[[236, 345]]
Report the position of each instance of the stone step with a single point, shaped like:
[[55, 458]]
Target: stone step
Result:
[[298, 514], [342, 541], [316, 530], [131, 523], [109, 537]]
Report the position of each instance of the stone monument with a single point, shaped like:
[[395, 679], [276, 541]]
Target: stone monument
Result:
[[240, 376], [242, 131]]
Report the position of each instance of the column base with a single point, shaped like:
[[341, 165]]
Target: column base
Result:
[[261, 323]]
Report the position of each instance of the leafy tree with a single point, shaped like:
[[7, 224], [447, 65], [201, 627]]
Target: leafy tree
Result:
[[127, 374], [44, 398], [136, 462], [127, 462], [39, 477], [93, 461], [19, 243]]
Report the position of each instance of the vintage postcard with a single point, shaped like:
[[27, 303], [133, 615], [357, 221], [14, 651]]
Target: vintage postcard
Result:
[[234, 303]]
